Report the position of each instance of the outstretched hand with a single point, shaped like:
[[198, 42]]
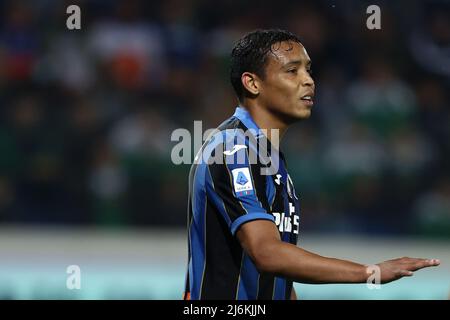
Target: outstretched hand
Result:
[[395, 269]]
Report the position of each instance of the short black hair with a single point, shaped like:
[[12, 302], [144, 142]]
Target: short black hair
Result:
[[250, 55]]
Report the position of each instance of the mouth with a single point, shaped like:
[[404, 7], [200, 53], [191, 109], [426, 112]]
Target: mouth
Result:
[[308, 99]]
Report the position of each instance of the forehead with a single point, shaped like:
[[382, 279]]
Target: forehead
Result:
[[285, 52]]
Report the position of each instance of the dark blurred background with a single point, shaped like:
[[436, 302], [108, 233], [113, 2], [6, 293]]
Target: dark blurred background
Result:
[[86, 115]]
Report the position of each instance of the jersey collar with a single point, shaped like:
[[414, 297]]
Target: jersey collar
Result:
[[244, 116]]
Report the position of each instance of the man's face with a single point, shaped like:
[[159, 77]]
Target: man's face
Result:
[[288, 89]]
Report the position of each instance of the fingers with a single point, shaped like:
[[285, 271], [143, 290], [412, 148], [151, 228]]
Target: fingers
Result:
[[425, 263], [434, 262], [404, 267], [413, 264]]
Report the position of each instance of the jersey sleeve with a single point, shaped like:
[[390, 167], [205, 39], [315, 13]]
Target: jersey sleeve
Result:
[[231, 187]]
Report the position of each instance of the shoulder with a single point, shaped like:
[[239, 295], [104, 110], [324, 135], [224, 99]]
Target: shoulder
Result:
[[231, 138]]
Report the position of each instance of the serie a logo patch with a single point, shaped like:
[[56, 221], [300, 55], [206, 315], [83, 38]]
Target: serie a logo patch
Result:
[[242, 182]]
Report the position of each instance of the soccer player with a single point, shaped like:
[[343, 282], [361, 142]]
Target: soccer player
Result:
[[243, 213]]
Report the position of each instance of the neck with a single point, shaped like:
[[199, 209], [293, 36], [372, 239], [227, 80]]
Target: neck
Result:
[[265, 119]]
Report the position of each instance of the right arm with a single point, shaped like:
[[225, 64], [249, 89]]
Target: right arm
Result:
[[261, 240]]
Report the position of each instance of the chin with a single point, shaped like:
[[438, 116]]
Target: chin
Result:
[[303, 114], [295, 115]]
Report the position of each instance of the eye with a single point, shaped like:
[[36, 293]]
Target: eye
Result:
[[310, 71], [293, 70]]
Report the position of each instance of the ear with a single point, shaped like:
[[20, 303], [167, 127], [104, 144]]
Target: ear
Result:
[[250, 81]]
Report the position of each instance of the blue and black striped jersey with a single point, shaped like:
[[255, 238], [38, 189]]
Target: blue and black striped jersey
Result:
[[228, 187]]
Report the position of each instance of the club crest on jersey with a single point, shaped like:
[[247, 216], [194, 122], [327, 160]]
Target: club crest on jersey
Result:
[[242, 182]]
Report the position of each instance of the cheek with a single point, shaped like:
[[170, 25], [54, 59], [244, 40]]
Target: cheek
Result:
[[287, 92], [277, 97], [282, 89]]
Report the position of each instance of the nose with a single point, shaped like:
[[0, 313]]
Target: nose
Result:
[[308, 80]]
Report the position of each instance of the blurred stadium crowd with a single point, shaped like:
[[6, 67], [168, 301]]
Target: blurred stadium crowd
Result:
[[86, 115]]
